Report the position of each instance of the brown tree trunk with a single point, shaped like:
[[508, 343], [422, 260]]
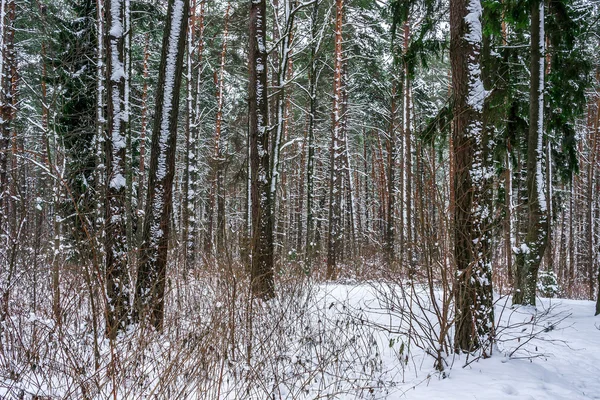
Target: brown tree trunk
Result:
[[336, 153], [473, 290], [390, 229], [310, 162], [262, 223]]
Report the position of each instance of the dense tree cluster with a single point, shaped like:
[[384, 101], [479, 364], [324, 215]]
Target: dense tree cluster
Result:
[[445, 142]]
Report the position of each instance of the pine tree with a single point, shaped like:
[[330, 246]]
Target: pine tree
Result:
[[258, 110], [473, 288], [152, 269]]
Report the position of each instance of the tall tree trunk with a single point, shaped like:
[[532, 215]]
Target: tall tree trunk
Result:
[[530, 255], [390, 233], [280, 80], [262, 223], [218, 162], [152, 269], [473, 293], [7, 70], [310, 163], [141, 175], [336, 152], [591, 176], [117, 275], [193, 190], [408, 178], [189, 120]]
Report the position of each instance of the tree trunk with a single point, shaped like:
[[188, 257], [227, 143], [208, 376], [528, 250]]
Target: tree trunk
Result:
[[310, 163], [262, 223], [117, 274], [473, 287], [141, 178], [530, 255], [193, 191], [336, 153], [152, 269], [390, 232]]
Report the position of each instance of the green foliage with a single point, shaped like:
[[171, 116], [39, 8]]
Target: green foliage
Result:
[[548, 284], [567, 82]]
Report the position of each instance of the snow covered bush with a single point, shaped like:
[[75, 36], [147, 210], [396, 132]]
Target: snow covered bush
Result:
[[548, 284]]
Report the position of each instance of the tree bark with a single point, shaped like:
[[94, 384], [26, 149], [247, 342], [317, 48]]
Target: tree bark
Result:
[[310, 163], [473, 285], [152, 269], [390, 229], [261, 275], [336, 153], [117, 274], [529, 256]]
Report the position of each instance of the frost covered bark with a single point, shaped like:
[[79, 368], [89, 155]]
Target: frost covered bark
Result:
[[152, 269], [337, 152], [529, 254], [117, 275], [473, 285]]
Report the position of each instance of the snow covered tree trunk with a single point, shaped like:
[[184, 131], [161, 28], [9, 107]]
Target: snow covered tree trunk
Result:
[[336, 152], [152, 269], [347, 165], [593, 247], [141, 173], [390, 229], [217, 191], [258, 109], [282, 73], [310, 162], [189, 118], [529, 255], [5, 108], [509, 236], [473, 285], [99, 147], [407, 171], [117, 275], [192, 151], [8, 70], [591, 251]]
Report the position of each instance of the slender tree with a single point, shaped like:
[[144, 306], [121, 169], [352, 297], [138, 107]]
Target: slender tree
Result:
[[336, 152], [529, 255]]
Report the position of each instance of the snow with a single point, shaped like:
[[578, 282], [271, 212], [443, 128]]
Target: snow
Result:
[[477, 93], [567, 370], [336, 340], [118, 182], [565, 360]]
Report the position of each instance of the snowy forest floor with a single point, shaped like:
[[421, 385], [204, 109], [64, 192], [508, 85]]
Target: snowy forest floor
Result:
[[313, 341], [552, 352]]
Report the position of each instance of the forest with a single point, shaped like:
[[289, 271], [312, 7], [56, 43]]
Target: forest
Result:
[[299, 199]]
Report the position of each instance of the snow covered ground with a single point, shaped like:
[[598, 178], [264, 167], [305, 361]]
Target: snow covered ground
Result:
[[326, 341], [561, 362], [568, 368]]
